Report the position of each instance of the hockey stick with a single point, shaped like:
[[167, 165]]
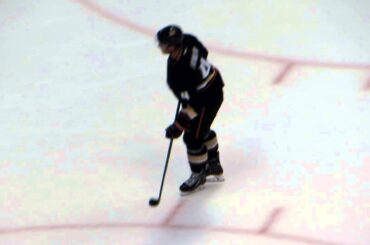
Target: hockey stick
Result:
[[155, 201]]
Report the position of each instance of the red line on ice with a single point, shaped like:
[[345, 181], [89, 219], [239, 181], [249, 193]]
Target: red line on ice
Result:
[[271, 220], [94, 7], [283, 73], [172, 214], [367, 85], [227, 230]]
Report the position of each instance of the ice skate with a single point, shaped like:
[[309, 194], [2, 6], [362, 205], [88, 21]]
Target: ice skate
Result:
[[195, 182]]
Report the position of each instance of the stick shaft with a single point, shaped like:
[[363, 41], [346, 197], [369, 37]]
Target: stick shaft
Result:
[[168, 156]]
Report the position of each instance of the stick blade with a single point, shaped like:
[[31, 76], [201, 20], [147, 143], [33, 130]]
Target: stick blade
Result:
[[153, 202]]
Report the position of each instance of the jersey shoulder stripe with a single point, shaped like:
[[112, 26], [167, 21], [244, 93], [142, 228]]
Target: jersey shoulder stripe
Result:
[[194, 57]]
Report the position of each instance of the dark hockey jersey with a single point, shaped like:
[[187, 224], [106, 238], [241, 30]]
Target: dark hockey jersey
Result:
[[192, 78]]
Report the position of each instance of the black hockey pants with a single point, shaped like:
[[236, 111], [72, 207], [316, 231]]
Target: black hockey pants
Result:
[[199, 138]]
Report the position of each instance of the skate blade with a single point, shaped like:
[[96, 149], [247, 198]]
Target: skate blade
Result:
[[187, 193], [215, 178]]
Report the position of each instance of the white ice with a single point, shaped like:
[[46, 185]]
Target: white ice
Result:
[[84, 104]]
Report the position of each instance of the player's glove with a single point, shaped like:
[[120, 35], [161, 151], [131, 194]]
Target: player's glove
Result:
[[182, 122], [173, 131]]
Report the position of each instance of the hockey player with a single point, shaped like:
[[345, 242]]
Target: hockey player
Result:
[[199, 87]]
